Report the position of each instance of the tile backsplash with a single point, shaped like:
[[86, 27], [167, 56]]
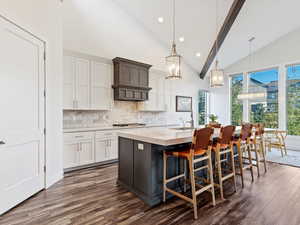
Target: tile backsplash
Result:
[[122, 112]]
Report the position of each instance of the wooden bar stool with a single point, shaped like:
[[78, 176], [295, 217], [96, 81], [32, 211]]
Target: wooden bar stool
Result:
[[200, 151], [257, 146], [243, 150], [223, 146]]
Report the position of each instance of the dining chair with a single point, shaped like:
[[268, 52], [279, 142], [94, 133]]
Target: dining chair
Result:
[[199, 151], [222, 146], [277, 141]]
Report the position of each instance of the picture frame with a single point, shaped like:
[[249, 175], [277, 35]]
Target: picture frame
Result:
[[184, 104]]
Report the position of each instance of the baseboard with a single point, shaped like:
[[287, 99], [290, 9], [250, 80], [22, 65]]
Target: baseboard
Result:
[[53, 178]]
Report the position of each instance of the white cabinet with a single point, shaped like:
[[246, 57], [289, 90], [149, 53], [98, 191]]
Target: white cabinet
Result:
[[69, 82], [87, 84], [157, 95], [106, 146], [82, 84], [85, 148], [78, 149], [101, 91]]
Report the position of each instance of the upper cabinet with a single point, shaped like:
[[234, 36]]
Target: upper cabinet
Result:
[[130, 80], [157, 95], [87, 84]]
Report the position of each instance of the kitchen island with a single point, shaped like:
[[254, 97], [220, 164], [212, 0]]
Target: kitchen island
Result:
[[141, 160]]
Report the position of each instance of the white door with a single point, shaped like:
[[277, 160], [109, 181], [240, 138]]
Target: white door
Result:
[[83, 84], [22, 115]]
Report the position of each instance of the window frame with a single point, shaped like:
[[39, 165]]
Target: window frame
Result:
[[297, 63], [207, 106]]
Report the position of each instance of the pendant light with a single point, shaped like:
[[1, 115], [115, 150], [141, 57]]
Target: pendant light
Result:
[[253, 93], [216, 74], [173, 61]]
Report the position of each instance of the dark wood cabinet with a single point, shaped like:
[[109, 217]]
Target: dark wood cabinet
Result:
[[131, 80]]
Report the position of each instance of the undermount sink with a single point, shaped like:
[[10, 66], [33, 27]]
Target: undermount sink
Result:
[[183, 128]]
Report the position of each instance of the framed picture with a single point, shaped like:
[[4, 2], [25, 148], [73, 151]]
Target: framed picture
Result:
[[184, 104]]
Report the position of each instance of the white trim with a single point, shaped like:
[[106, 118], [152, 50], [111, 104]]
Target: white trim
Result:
[[54, 178]]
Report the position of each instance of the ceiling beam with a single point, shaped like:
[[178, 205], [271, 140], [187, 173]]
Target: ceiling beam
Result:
[[229, 20]]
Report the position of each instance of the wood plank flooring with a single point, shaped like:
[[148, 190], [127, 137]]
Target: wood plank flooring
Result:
[[91, 196]]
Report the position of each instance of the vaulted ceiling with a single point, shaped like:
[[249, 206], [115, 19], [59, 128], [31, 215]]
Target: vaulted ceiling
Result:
[[267, 20], [195, 21]]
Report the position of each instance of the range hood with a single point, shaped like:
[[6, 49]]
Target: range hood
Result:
[[131, 80]]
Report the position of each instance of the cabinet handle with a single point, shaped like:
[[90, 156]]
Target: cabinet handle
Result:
[[79, 136], [2, 143]]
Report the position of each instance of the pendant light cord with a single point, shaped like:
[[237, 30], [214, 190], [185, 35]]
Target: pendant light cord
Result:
[[174, 22], [217, 26]]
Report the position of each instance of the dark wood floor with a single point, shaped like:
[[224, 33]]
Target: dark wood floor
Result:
[[91, 196]]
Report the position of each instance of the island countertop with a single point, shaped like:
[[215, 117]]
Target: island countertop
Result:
[[161, 135]]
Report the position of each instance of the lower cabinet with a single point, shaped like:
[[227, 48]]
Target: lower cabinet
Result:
[[85, 148], [78, 152]]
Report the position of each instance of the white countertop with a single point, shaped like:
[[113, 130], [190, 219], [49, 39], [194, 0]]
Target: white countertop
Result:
[[100, 128], [159, 135], [165, 136]]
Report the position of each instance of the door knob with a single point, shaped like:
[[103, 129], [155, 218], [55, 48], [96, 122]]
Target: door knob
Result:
[[2, 143]]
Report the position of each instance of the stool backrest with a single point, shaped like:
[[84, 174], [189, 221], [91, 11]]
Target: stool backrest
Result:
[[226, 134], [259, 129], [202, 138], [246, 131]]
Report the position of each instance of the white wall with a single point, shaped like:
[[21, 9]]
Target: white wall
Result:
[[43, 18], [285, 50], [102, 28]]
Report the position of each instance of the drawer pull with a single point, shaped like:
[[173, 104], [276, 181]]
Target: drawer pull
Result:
[[2, 143], [140, 147], [79, 136]]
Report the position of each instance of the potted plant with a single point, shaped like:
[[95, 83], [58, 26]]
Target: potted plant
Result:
[[213, 119]]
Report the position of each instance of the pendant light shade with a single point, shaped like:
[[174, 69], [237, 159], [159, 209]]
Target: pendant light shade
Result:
[[173, 61], [216, 74]]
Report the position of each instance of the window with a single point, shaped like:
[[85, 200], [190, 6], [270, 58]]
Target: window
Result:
[[236, 104], [293, 99], [203, 107], [265, 108]]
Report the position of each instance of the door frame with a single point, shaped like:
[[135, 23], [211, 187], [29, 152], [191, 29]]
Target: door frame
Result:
[[44, 87]]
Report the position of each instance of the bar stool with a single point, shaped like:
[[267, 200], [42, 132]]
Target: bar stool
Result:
[[257, 146], [223, 146], [199, 151], [242, 143], [213, 125], [277, 141]]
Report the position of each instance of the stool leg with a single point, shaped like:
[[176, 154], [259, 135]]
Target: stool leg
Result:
[[185, 176], [164, 176], [220, 172], [257, 159], [250, 161], [192, 177], [211, 178], [233, 166], [263, 155], [240, 155]]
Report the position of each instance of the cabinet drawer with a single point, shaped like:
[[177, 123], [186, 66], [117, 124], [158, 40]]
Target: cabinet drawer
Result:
[[78, 136], [106, 134]]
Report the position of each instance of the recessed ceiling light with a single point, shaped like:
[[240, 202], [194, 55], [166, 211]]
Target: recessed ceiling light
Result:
[[181, 39], [160, 19], [198, 54]]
